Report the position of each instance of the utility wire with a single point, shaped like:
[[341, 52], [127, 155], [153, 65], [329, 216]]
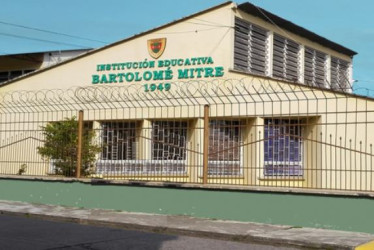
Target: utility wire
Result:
[[42, 40], [357, 80], [271, 21], [188, 31], [210, 25], [51, 32], [206, 21]]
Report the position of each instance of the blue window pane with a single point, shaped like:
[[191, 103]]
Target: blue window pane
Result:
[[282, 143]]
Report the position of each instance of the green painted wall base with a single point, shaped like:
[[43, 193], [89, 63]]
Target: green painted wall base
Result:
[[338, 213]]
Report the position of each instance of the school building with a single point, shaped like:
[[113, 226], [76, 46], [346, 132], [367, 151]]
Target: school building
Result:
[[232, 95]]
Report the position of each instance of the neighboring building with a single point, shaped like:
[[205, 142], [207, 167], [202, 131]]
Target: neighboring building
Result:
[[281, 109], [16, 65]]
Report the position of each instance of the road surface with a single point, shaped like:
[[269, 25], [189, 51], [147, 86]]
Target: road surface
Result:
[[31, 233]]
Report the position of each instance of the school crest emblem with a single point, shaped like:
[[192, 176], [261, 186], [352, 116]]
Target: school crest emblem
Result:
[[156, 47]]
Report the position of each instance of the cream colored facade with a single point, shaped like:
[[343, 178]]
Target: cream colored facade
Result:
[[337, 145]]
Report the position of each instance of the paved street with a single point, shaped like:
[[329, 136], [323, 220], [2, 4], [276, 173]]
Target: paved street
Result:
[[31, 233]]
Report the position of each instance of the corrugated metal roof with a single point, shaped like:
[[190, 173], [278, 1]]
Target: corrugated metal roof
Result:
[[291, 27]]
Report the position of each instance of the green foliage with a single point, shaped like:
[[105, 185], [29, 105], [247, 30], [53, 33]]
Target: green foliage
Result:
[[22, 169], [61, 140]]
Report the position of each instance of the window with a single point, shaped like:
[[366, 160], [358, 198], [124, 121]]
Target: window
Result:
[[315, 73], [8, 75], [224, 148], [283, 147], [118, 140], [14, 74], [4, 76], [119, 148], [340, 74], [169, 141], [120, 145], [251, 54], [285, 58], [250, 50]]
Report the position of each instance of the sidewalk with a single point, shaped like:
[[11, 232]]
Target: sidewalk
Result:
[[226, 230]]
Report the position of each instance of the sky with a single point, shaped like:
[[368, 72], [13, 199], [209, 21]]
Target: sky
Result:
[[347, 22]]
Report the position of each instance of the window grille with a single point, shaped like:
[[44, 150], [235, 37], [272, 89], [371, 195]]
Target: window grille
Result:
[[119, 147], [118, 140], [315, 73], [283, 147], [224, 148], [285, 58], [250, 47], [169, 141], [340, 74]]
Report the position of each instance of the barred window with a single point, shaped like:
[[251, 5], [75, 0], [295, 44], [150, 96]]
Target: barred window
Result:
[[315, 73], [250, 47], [283, 147], [340, 74], [118, 140], [224, 147], [119, 148], [285, 58], [169, 140]]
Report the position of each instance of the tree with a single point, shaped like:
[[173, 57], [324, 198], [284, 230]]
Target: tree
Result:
[[60, 147]]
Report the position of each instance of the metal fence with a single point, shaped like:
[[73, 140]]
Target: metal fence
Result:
[[249, 132]]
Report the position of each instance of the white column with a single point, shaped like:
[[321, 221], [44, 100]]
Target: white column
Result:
[[145, 144], [301, 64], [350, 76], [328, 72], [269, 62]]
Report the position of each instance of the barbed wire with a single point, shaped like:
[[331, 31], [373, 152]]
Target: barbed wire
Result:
[[183, 93]]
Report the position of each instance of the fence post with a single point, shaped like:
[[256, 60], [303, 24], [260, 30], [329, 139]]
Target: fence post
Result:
[[206, 144], [79, 146]]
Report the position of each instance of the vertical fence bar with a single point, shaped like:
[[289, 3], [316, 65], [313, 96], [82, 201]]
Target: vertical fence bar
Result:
[[79, 146], [206, 144]]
